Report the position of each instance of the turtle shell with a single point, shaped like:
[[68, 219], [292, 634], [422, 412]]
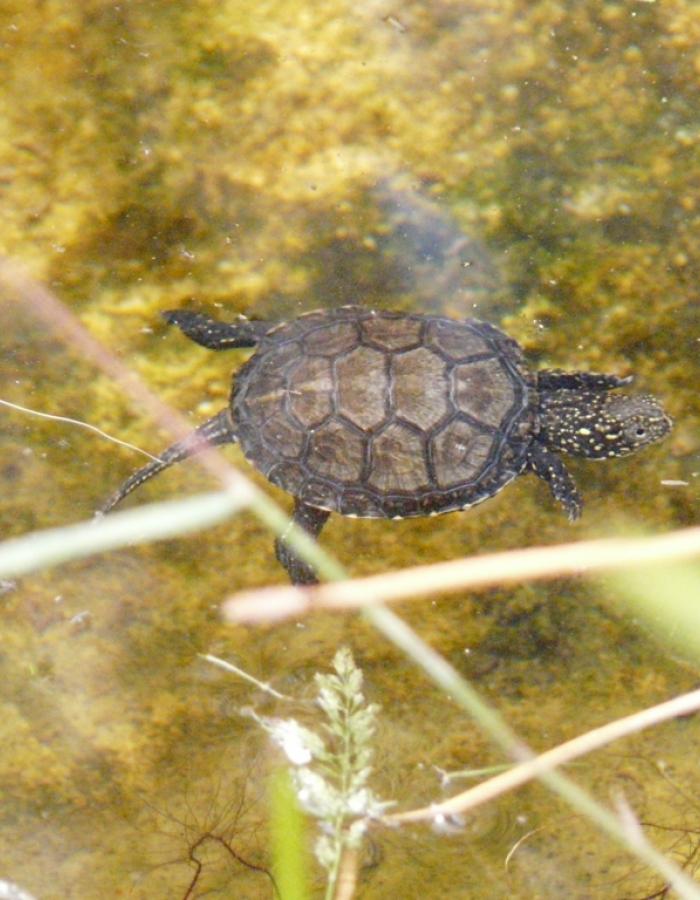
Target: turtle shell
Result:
[[379, 414]]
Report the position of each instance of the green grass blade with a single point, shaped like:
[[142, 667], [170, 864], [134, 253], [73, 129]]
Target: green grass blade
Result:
[[289, 856], [155, 521]]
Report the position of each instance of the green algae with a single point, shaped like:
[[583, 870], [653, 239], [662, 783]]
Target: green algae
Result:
[[233, 155]]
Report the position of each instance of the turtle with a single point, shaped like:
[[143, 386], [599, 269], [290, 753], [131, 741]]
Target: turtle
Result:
[[378, 414]]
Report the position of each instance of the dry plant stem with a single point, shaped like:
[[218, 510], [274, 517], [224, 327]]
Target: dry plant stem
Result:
[[446, 677], [347, 876], [273, 604], [41, 549], [557, 756], [154, 521]]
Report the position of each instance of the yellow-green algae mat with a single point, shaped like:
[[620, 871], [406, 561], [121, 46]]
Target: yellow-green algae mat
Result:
[[235, 154]]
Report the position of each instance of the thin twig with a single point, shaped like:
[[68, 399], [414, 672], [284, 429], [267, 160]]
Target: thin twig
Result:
[[229, 667], [273, 604], [80, 423], [347, 876], [557, 756], [518, 844]]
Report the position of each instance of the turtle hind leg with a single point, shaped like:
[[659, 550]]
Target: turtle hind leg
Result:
[[547, 466], [311, 519], [214, 334], [217, 430]]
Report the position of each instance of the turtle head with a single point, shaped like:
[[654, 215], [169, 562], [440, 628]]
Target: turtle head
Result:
[[601, 425]]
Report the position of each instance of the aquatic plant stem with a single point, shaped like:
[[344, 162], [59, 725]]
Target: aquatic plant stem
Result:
[[235, 670], [345, 764]]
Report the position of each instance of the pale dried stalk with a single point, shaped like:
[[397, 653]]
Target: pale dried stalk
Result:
[[545, 762], [347, 877], [272, 604]]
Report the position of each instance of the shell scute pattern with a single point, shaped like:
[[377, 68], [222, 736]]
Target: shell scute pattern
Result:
[[420, 387], [455, 340], [363, 387], [284, 435], [332, 340], [310, 388], [460, 452], [336, 452], [385, 414], [395, 333], [483, 390], [398, 461], [289, 475]]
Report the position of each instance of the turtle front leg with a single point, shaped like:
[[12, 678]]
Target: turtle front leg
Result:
[[217, 430], [556, 380], [311, 519], [216, 335], [549, 467]]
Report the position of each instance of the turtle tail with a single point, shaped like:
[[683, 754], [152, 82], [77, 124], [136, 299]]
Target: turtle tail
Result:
[[217, 430]]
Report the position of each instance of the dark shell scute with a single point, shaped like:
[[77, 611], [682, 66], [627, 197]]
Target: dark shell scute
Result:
[[284, 436], [288, 475], [398, 461], [267, 390], [420, 387], [460, 453], [332, 340], [392, 333], [456, 340], [272, 356], [310, 391], [363, 387], [360, 502], [483, 390], [320, 493], [336, 452], [295, 329]]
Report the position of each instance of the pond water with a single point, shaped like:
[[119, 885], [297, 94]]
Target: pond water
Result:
[[535, 164]]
